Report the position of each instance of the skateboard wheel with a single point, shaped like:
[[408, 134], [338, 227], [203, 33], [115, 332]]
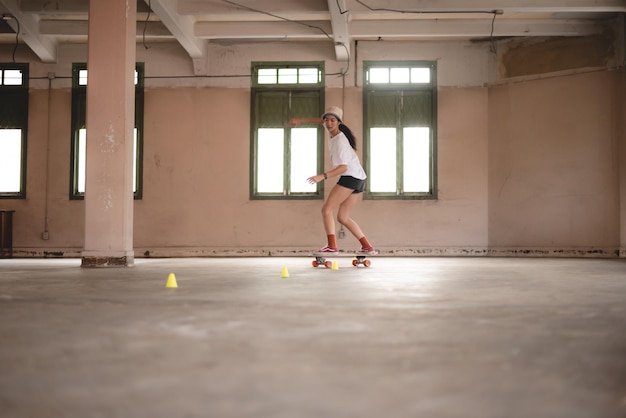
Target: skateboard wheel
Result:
[[328, 264], [315, 263], [355, 262], [367, 263]]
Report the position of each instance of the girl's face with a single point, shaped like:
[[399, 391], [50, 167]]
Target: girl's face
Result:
[[332, 124]]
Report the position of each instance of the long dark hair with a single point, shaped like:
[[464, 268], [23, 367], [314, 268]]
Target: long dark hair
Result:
[[348, 133]]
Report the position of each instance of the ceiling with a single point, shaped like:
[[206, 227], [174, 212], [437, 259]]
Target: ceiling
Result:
[[45, 24]]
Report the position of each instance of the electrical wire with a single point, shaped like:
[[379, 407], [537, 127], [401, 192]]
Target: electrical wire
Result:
[[9, 16], [47, 77], [495, 12], [252, 9], [145, 25], [233, 3], [374, 9], [384, 9], [494, 48], [200, 76], [339, 7], [308, 25], [17, 37]]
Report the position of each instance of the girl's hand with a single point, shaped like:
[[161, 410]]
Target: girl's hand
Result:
[[315, 179]]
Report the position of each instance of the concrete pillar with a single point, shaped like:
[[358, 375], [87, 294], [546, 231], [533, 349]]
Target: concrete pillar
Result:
[[110, 123], [622, 162], [621, 137]]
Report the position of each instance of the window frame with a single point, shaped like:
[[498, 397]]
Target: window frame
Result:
[[79, 105], [18, 97], [288, 89], [399, 89]]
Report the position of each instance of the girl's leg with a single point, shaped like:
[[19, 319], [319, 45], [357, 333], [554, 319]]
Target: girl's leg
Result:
[[335, 198], [343, 215]]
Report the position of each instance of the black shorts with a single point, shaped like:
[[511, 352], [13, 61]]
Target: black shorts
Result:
[[353, 183]]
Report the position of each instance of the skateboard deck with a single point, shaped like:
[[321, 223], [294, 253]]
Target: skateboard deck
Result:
[[322, 259]]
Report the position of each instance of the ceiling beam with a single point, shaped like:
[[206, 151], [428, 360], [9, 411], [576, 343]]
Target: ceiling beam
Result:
[[28, 27], [71, 28], [263, 30], [278, 7], [43, 24], [339, 23], [64, 7], [471, 28], [59, 6], [405, 29], [535, 6], [182, 27]]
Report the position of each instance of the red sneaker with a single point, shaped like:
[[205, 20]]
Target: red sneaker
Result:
[[328, 250], [367, 251]]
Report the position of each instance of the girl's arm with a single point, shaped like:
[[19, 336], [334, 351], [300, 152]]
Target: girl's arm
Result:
[[340, 169], [299, 121]]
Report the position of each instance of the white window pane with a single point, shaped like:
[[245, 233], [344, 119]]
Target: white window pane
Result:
[[288, 76], [270, 163], [382, 175], [400, 75], [420, 75], [135, 160], [13, 78], [303, 159], [266, 76], [82, 159], [82, 77], [308, 76], [416, 154], [10, 160], [379, 75]]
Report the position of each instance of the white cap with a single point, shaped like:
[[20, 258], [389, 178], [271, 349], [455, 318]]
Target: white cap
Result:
[[334, 111]]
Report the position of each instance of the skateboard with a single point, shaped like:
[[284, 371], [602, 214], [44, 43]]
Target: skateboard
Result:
[[321, 259]]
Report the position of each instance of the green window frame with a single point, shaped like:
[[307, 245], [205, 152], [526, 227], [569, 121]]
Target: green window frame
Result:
[[13, 130], [400, 129], [283, 156], [79, 119]]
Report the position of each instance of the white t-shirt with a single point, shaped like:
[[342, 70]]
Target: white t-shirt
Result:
[[342, 153]]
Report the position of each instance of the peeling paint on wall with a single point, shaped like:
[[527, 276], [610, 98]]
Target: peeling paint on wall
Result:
[[546, 55], [104, 262], [106, 199], [396, 252], [108, 145]]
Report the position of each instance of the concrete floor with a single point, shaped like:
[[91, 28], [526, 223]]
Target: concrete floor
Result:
[[407, 337]]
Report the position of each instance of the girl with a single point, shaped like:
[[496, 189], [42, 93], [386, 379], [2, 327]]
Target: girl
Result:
[[345, 194]]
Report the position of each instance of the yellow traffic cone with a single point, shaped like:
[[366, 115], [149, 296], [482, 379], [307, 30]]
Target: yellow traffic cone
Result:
[[171, 281], [285, 273], [335, 266]]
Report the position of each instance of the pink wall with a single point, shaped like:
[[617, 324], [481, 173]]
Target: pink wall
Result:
[[529, 167], [196, 180], [554, 166]]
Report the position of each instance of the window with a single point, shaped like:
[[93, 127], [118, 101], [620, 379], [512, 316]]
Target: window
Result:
[[79, 133], [284, 157], [400, 102], [13, 127]]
